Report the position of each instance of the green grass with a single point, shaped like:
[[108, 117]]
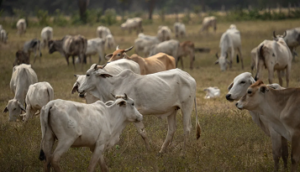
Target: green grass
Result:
[[230, 141]]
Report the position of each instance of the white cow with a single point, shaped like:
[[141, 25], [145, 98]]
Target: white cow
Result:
[[102, 32], [46, 35], [236, 90], [164, 33], [38, 95], [21, 26], [212, 92], [165, 93], [253, 58], [170, 47], [110, 41], [144, 43], [291, 37], [274, 55], [230, 41], [114, 68], [3, 36], [33, 45], [97, 126], [208, 22], [133, 24], [22, 77], [95, 46], [179, 29], [281, 110]]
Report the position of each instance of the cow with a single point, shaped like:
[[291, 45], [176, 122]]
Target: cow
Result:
[[236, 90], [274, 55], [165, 93], [281, 110], [144, 43], [230, 41], [97, 126], [164, 33], [109, 41], [33, 45], [253, 58], [156, 63], [21, 26], [208, 22], [38, 95], [22, 77], [21, 57], [46, 35], [69, 46], [3, 36], [292, 39], [187, 48], [102, 32], [133, 24], [170, 47], [95, 46], [212, 92], [179, 29], [114, 67]]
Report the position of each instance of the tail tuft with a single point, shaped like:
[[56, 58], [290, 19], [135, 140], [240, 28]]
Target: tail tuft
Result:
[[42, 155], [198, 133]]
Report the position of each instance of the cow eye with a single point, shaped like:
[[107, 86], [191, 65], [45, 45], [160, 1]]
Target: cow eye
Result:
[[119, 54], [15, 108], [243, 82], [87, 75], [249, 91], [132, 104]]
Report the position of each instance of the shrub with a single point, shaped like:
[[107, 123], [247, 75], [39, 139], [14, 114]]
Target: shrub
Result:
[[59, 18], [110, 17], [43, 17]]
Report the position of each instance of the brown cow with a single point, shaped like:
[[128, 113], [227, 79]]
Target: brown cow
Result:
[[156, 63], [21, 57], [281, 110]]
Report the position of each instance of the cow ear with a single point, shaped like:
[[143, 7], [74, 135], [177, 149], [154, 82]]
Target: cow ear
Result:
[[217, 62], [122, 103], [230, 86], [21, 106], [5, 110], [263, 89], [104, 75], [108, 56], [76, 75]]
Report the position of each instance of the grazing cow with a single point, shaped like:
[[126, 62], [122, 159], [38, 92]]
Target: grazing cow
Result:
[[69, 46], [187, 48], [102, 32], [208, 22], [114, 68], [22, 77], [236, 90], [281, 110], [144, 43], [164, 33], [156, 63], [164, 94], [46, 35], [21, 57], [212, 92], [274, 55], [97, 126], [179, 29], [291, 38], [38, 95], [21, 26], [33, 45], [3, 36], [133, 24], [170, 47], [110, 41], [253, 59], [230, 41], [95, 46]]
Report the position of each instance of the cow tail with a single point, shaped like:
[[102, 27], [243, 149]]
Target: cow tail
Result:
[[44, 119], [260, 55], [198, 132]]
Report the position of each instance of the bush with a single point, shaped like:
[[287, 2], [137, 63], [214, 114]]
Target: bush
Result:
[[110, 17], [43, 17], [59, 19]]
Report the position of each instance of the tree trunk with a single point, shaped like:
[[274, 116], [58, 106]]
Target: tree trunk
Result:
[[82, 4], [151, 8]]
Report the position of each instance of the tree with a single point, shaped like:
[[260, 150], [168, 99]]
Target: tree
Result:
[[82, 4], [151, 5]]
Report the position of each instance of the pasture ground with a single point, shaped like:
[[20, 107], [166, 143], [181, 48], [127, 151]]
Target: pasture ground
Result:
[[230, 141]]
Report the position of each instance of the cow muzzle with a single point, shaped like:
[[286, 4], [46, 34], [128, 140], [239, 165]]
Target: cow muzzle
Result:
[[239, 106], [228, 97]]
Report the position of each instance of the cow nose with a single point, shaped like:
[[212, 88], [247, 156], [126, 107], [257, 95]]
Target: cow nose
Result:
[[236, 104], [228, 96]]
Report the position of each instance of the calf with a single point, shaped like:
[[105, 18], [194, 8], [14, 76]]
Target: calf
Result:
[[164, 33], [21, 26], [46, 35], [103, 31], [33, 45], [133, 24], [179, 29], [208, 22], [71, 124]]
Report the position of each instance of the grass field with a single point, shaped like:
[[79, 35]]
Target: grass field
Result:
[[230, 141]]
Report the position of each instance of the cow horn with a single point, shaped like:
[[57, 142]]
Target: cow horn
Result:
[[128, 49], [125, 96], [284, 34], [217, 55], [274, 36], [95, 67], [117, 47], [101, 67]]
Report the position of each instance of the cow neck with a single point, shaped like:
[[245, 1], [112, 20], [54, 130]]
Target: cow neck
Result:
[[59, 45], [21, 86], [138, 59]]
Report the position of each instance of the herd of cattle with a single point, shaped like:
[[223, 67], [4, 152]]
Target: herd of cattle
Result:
[[115, 92]]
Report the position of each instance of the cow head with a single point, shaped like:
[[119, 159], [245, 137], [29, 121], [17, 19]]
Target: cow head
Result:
[[255, 96], [239, 86], [222, 61], [51, 46], [118, 54], [21, 57], [127, 106], [276, 37], [15, 108]]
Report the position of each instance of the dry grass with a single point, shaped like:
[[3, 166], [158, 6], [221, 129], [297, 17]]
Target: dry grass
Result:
[[230, 140]]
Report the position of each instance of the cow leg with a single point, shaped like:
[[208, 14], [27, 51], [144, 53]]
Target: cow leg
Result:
[[61, 148], [186, 110], [97, 156], [171, 131], [284, 151], [67, 59], [46, 147], [140, 127], [295, 151], [192, 60], [287, 77], [73, 61], [29, 112], [181, 61], [241, 57], [177, 60], [276, 148], [279, 76], [271, 73]]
